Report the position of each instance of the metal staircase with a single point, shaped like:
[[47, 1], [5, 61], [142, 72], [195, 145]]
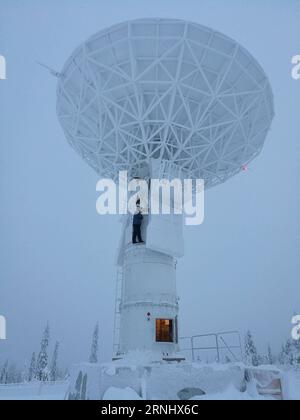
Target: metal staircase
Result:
[[118, 300]]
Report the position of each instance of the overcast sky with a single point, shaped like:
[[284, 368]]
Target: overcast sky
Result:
[[241, 269]]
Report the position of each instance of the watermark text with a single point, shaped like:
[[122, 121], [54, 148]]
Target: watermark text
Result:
[[296, 67], [2, 328], [155, 197], [2, 68], [296, 329]]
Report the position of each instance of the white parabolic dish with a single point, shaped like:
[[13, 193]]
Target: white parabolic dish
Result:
[[165, 89]]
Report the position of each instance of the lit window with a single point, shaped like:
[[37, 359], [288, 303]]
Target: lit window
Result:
[[164, 330]]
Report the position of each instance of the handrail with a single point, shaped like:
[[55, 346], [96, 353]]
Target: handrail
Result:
[[218, 337], [229, 349]]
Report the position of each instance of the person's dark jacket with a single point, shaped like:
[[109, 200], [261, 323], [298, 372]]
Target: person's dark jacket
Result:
[[137, 219]]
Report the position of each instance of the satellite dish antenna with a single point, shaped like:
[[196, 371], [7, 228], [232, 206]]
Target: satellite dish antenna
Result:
[[173, 92]]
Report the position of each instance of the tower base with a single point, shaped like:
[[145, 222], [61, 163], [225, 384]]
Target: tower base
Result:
[[167, 380], [149, 303]]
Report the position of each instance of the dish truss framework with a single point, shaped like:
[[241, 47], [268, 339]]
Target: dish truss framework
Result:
[[169, 90]]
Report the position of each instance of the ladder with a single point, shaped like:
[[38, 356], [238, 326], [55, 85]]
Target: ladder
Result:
[[118, 301]]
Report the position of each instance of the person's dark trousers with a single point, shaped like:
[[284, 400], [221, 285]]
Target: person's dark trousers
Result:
[[137, 234]]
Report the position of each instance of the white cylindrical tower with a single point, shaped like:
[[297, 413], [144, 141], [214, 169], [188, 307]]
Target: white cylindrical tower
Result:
[[149, 304]]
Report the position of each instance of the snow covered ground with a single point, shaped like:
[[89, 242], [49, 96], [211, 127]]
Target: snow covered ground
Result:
[[293, 383], [230, 394], [35, 391], [59, 391]]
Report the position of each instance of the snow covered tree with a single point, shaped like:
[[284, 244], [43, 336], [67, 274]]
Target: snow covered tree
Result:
[[4, 373], [290, 353], [42, 373], [24, 373], [252, 357], [262, 360], [9, 374], [95, 345], [281, 358], [54, 369], [270, 357], [32, 368], [14, 376], [297, 353], [294, 352]]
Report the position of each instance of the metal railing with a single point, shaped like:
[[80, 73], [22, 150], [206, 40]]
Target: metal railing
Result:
[[219, 347]]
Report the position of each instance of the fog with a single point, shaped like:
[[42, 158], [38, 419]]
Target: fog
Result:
[[241, 268]]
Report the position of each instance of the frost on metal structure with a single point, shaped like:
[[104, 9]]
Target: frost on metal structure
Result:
[[163, 97], [169, 90]]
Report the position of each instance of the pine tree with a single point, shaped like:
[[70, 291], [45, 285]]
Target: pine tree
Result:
[[289, 357], [13, 375], [54, 369], [32, 368], [252, 357], [271, 359], [95, 345], [297, 353], [294, 353], [4, 373], [282, 356], [42, 362], [24, 373]]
